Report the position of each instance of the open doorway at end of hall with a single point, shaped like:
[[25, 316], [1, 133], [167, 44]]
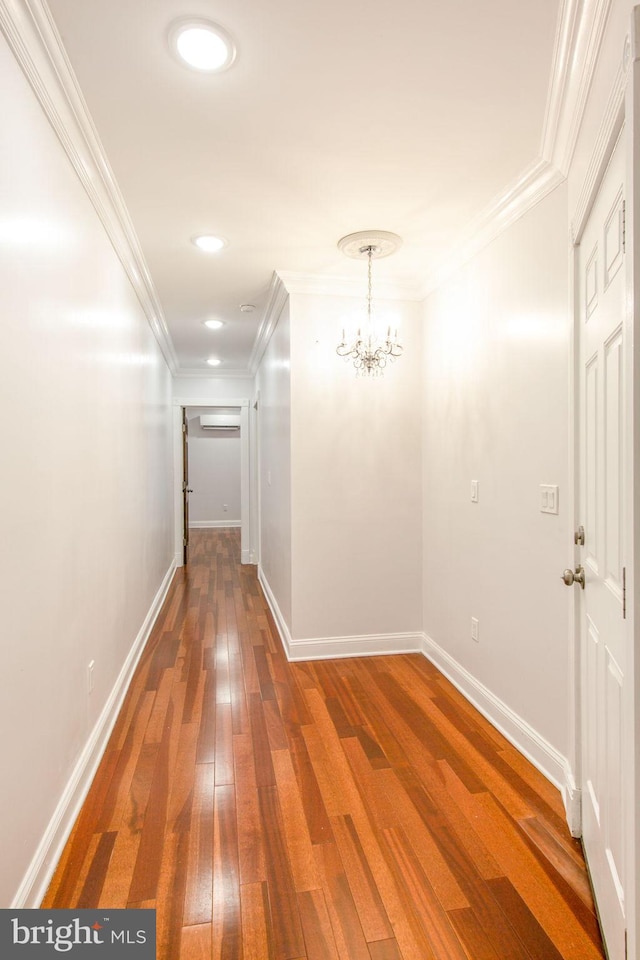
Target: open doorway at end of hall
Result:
[[211, 470]]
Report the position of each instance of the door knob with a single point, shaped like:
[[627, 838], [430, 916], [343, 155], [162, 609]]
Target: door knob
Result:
[[571, 576]]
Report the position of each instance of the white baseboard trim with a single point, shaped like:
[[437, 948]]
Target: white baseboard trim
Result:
[[281, 624], [208, 524], [367, 645], [38, 876], [335, 648], [521, 734], [572, 798]]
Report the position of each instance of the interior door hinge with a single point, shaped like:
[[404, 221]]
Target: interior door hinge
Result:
[[624, 226], [624, 593]]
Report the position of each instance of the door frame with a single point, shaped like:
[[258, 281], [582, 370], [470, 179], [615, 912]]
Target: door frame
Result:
[[246, 469], [621, 119]]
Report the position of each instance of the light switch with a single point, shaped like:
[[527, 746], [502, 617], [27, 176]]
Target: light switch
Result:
[[548, 498], [474, 491]]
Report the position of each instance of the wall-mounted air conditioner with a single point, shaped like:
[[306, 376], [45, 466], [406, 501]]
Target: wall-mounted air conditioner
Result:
[[227, 422]]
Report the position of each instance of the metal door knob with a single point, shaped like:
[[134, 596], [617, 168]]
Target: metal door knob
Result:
[[573, 576]]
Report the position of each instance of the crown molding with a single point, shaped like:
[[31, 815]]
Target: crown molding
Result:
[[37, 46], [567, 28], [277, 296], [581, 54], [534, 184], [581, 25], [322, 285]]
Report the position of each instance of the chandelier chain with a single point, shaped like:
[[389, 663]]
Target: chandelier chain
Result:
[[370, 258]]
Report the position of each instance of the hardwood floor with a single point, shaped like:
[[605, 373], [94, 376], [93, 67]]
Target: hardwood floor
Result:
[[358, 809]]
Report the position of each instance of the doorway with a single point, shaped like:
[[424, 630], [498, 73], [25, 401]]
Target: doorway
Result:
[[184, 483]]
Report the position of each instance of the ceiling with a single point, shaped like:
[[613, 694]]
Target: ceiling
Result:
[[335, 117]]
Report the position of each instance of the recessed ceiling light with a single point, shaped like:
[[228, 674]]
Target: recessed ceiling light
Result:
[[213, 324], [209, 244], [214, 362], [202, 45]]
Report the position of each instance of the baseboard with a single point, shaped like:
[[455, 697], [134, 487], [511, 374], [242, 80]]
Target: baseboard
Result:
[[281, 624], [367, 645], [572, 798], [334, 648], [38, 876], [549, 761], [208, 524]]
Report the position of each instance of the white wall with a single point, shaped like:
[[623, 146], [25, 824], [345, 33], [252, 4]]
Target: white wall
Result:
[[217, 388], [214, 473], [495, 410], [273, 383], [85, 475], [356, 477]]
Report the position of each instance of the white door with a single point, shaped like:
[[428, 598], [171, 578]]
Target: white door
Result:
[[605, 675]]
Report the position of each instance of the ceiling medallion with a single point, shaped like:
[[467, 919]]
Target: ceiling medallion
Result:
[[368, 353]]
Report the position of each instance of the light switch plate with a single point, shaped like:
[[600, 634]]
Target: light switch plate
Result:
[[548, 498], [474, 491]]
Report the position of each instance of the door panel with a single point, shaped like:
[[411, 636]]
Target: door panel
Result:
[[613, 461], [185, 486], [601, 276]]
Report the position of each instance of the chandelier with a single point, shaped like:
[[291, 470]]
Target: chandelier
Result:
[[368, 352]]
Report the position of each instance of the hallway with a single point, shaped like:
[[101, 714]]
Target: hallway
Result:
[[358, 809]]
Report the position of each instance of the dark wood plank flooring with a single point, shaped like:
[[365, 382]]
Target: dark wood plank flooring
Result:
[[357, 809]]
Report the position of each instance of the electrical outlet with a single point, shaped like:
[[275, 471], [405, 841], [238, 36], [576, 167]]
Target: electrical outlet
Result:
[[225, 507], [475, 489], [474, 629], [90, 667]]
